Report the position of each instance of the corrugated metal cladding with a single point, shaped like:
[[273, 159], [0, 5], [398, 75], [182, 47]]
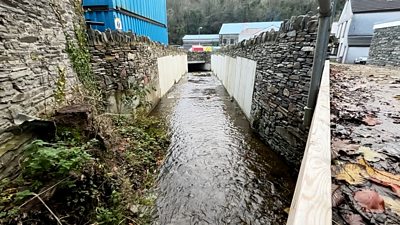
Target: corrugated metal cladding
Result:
[[142, 17]]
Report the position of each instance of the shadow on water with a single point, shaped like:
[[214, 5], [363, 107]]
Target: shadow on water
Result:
[[217, 171]]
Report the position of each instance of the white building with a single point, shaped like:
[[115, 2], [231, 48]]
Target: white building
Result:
[[230, 32], [355, 26], [249, 33]]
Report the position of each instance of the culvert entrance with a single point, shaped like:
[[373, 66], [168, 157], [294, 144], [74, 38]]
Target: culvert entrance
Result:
[[198, 66]]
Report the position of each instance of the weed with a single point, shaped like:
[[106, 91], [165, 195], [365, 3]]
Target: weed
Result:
[[47, 160], [59, 94]]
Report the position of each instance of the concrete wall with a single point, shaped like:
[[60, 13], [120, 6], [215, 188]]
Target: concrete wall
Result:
[[170, 71], [283, 66], [238, 76], [33, 56], [124, 63], [385, 47]]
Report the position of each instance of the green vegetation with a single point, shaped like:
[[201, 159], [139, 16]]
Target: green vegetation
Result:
[[79, 54], [59, 94], [78, 180], [78, 51]]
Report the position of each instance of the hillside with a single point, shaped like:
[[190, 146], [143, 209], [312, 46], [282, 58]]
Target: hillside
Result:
[[186, 16]]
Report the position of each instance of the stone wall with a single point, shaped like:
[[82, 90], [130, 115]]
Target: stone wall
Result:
[[284, 61], [385, 47], [199, 56], [33, 56], [123, 62]]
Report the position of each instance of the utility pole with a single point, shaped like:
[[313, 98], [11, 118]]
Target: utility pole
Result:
[[199, 31]]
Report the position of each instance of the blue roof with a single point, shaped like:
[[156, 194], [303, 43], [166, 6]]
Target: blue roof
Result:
[[201, 37], [236, 28]]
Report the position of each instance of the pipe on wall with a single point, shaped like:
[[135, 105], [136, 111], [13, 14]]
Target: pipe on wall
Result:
[[321, 48]]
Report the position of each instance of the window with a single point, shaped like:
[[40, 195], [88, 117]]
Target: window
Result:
[[224, 41], [232, 41]]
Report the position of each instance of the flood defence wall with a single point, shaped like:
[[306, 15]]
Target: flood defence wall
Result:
[[123, 62], [238, 76], [282, 76], [170, 71]]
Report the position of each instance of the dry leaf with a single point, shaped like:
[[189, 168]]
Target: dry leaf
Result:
[[397, 97], [369, 120], [370, 155], [352, 174], [354, 219], [382, 176], [337, 198], [395, 188], [287, 210], [345, 146], [393, 205], [370, 200]]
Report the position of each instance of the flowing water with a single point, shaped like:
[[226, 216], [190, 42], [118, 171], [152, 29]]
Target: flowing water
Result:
[[217, 171]]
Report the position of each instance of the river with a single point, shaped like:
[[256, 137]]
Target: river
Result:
[[217, 171]]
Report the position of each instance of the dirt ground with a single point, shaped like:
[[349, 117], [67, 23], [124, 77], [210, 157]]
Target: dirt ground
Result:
[[365, 126]]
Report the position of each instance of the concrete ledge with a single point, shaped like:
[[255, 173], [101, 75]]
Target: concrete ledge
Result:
[[385, 25], [311, 203]]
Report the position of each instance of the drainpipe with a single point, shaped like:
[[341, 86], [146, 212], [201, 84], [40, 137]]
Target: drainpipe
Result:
[[325, 12]]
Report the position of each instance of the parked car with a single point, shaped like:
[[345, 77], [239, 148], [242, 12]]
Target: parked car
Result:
[[361, 60]]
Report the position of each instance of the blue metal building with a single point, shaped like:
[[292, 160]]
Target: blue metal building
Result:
[[142, 17]]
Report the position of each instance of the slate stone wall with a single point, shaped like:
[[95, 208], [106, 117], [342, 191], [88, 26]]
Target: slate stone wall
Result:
[[385, 47], [199, 56], [32, 54], [123, 61], [284, 61]]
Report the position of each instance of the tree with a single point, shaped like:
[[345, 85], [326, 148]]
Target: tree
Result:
[[186, 16]]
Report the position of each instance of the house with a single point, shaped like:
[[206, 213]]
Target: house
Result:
[[202, 39], [230, 32], [355, 26], [144, 18], [249, 33]]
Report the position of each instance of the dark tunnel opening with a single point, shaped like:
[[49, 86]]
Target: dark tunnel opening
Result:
[[198, 67]]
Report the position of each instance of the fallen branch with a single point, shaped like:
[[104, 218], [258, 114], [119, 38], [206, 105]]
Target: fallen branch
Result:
[[48, 189], [48, 208]]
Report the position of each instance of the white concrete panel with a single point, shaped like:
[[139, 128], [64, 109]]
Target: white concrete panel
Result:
[[238, 77], [238, 67], [250, 81], [230, 79], [170, 71]]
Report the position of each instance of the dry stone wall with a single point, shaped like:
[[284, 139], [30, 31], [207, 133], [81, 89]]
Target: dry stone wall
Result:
[[199, 56], [123, 62], [284, 61], [385, 47], [33, 56]]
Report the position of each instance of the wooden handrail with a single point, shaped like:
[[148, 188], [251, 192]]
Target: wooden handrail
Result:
[[311, 203]]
